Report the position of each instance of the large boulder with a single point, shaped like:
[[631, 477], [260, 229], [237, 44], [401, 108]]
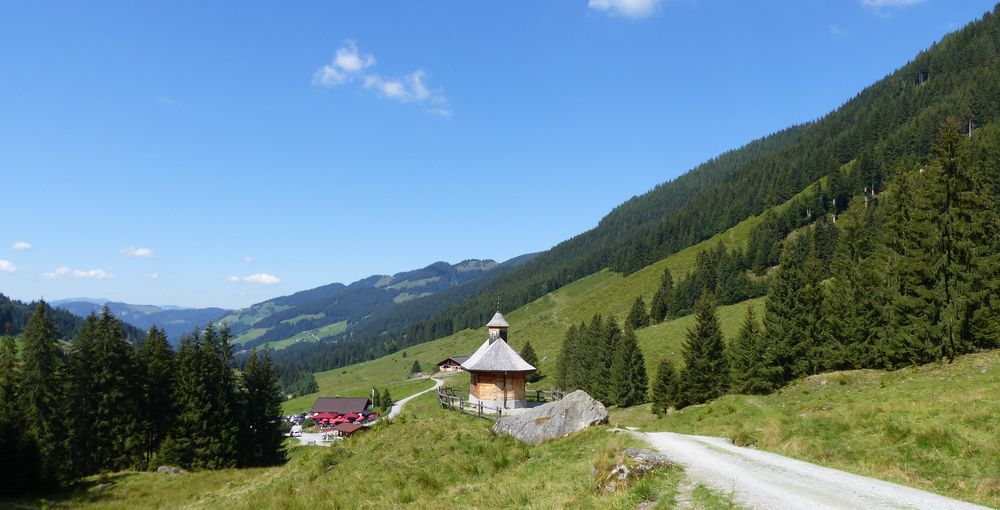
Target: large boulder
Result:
[[575, 412]]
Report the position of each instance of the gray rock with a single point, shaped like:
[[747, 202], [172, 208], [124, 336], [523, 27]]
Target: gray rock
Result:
[[575, 412], [170, 470], [644, 461]]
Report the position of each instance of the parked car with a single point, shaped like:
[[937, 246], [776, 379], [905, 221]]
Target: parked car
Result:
[[296, 431]]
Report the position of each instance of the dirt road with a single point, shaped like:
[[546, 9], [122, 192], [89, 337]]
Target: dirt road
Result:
[[758, 479]]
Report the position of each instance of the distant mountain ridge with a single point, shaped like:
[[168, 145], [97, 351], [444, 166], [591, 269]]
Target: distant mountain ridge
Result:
[[329, 310], [174, 320]]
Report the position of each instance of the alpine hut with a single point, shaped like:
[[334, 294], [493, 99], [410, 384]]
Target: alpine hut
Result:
[[497, 371]]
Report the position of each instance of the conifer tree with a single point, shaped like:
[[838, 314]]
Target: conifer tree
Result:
[[187, 441], [748, 358], [415, 368], [80, 405], [660, 306], [783, 320], [949, 268], [386, 400], [573, 369], [629, 382], [637, 316], [41, 366], [528, 354], [665, 388], [117, 438], [20, 469], [261, 409], [376, 399], [157, 366], [602, 335], [706, 369]]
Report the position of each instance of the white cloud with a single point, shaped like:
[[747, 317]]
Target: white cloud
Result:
[[153, 276], [407, 89], [261, 278], [145, 253], [21, 246], [7, 267], [837, 30], [347, 63], [878, 4], [64, 271], [626, 8], [248, 259]]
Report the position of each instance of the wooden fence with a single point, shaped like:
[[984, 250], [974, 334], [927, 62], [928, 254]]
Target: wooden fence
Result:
[[449, 398]]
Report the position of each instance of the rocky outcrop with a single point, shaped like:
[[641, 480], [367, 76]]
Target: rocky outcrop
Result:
[[634, 464], [170, 470], [575, 412]]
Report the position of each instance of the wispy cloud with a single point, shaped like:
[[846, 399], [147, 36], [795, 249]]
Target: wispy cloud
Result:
[[248, 259], [153, 276], [7, 267], [626, 8], [21, 246], [837, 30], [145, 253], [66, 272], [166, 100], [349, 64], [259, 278]]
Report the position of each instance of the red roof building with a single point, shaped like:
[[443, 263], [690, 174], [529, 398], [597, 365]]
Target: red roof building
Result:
[[339, 405]]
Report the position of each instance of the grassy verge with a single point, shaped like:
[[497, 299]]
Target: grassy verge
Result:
[[934, 427], [397, 390], [427, 458]]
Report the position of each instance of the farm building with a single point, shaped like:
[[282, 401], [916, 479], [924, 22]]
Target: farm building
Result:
[[497, 371], [338, 405], [346, 429], [452, 364]]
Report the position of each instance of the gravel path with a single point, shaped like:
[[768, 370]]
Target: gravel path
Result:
[[398, 406], [758, 479]]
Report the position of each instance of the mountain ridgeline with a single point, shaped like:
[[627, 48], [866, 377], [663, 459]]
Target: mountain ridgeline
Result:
[[174, 321], [313, 314], [887, 127]]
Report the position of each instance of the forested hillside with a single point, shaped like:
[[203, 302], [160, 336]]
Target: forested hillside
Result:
[[885, 129], [325, 312], [14, 317], [175, 322]]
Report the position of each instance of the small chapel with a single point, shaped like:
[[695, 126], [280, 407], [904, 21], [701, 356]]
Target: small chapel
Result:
[[497, 371]]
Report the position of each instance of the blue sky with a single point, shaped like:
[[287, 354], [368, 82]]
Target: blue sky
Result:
[[222, 153]]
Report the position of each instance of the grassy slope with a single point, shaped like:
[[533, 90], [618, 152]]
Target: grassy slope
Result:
[[429, 458], [544, 322], [307, 336], [934, 427]]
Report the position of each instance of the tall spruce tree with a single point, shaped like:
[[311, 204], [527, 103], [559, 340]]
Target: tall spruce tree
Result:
[[40, 390], [666, 388], [660, 307], [118, 439], [261, 410], [386, 400], [157, 366], [629, 382], [785, 317], [603, 335], [528, 354], [638, 317], [20, 468], [80, 404], [948, 267], [748, 362], [706, 368]]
